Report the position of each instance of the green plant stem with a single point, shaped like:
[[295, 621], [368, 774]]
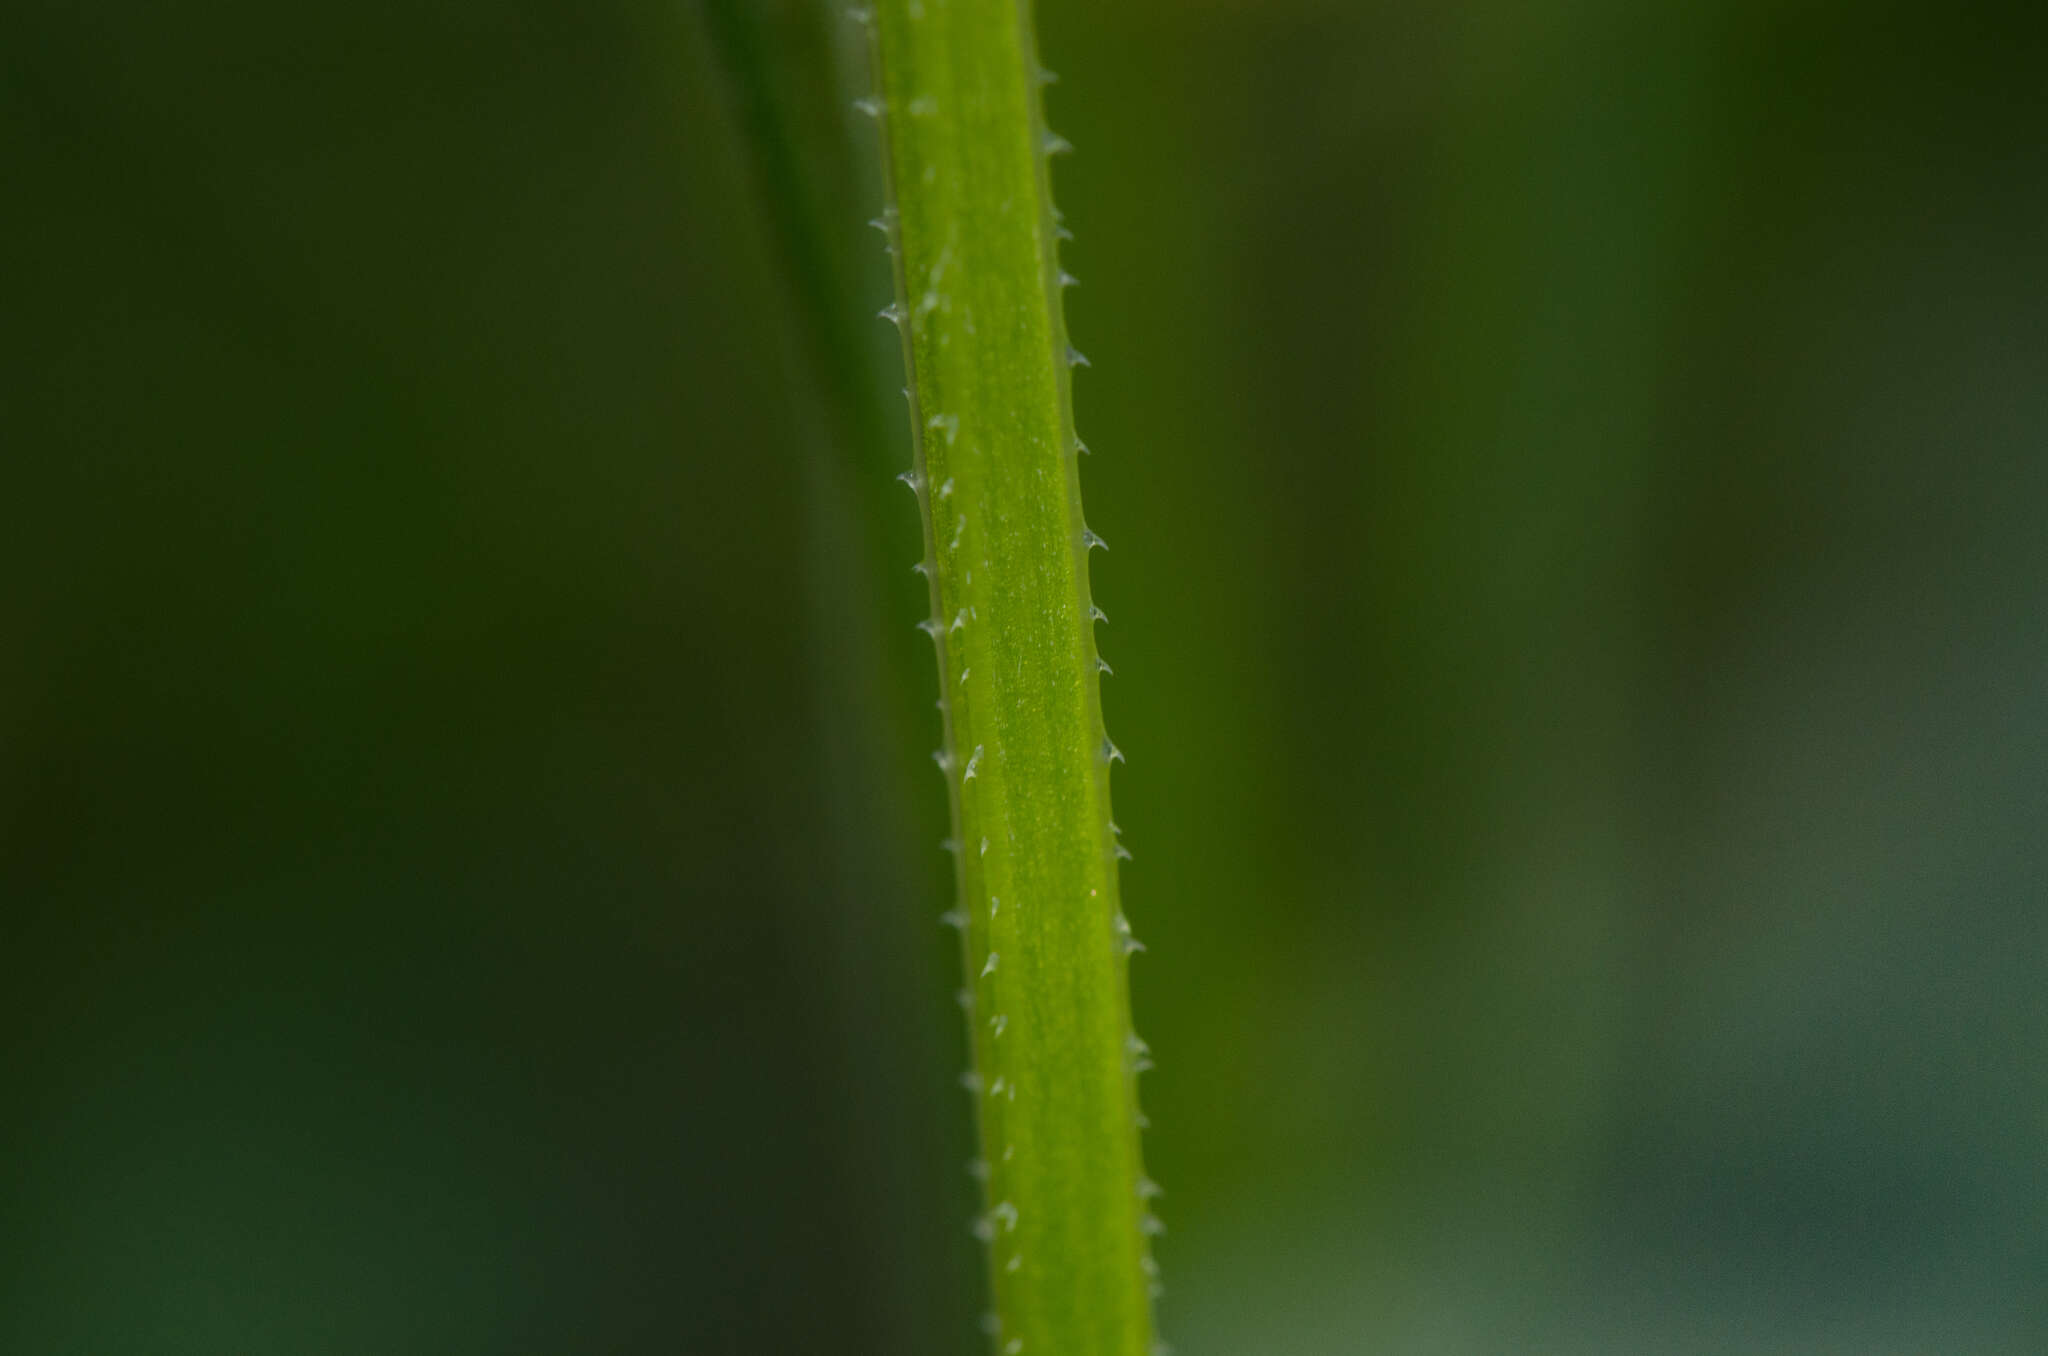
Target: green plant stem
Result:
[[1026, 759]]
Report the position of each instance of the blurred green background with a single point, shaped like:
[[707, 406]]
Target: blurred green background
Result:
[[1576, 474]]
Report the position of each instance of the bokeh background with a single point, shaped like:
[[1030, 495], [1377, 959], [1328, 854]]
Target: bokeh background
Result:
[[468, 867]]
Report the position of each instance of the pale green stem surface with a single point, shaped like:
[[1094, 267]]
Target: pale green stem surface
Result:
[[978, 285]]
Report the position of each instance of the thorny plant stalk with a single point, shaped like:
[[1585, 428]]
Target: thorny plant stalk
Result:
[[975, 239]]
